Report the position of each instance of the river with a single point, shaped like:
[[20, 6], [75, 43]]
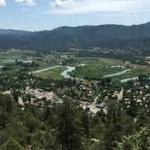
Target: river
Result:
[[66, 72], [46, 69], [116, 74], [69, 69], [129, 79]]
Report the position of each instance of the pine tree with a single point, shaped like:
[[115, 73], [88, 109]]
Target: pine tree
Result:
[[68, 131]]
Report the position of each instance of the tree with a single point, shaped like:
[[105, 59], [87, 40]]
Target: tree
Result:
[[14, 145], [31, 123], [6, 102], [138, 141], [15, 94], [86, 123], [68, 130], [4, 119], [117, 124]]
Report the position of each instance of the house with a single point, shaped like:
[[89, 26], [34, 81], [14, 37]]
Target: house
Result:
[[40, 94]]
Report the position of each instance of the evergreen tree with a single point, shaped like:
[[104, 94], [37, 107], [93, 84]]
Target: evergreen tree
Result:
[[68, 131], [86, 124]]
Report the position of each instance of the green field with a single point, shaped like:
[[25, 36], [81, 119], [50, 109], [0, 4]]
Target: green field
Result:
[[11, 55], [51, 74], [97, 68], [8, 58], [134, 72]]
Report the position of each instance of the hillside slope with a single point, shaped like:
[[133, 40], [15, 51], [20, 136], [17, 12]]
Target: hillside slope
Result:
[[82, 37]]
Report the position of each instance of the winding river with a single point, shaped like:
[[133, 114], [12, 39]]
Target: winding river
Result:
[[46, 69], [69, 69], [66, 72], [129, 79], [116, 74]]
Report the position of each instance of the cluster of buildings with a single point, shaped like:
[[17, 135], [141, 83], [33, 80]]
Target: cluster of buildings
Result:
[[37, 97], [137, 93], [40, 94]]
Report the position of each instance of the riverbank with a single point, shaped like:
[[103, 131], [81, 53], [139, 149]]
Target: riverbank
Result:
[[116, 74]]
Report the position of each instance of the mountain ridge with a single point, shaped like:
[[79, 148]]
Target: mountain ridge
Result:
[[80, 37]]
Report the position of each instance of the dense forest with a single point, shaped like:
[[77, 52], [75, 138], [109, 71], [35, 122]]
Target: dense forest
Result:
[[134, 37], [68, 127]]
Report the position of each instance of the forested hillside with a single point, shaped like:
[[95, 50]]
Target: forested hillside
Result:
[[135, 37]]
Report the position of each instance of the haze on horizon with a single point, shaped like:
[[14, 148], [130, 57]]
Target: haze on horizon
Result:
[[48, 14]]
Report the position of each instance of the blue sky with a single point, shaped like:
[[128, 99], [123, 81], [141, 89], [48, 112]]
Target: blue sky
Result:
[[48, 14]]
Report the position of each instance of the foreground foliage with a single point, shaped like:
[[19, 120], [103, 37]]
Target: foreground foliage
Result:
[[68, 127]]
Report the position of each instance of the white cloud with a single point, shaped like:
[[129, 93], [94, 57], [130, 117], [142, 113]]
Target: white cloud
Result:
[[88, 6], [61, 3], [2, 3], [27, 2]]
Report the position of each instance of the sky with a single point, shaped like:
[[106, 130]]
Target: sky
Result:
[[35, 15]]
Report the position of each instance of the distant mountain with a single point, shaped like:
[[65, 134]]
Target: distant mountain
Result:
[[16, 32], [81, 37]]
